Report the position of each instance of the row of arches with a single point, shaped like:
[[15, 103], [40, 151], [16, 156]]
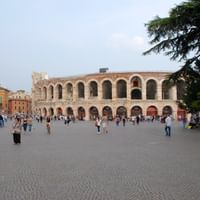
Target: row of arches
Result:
[[92, 88], [93, 111]]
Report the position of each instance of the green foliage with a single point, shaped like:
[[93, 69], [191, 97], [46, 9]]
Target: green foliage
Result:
[[178, 36]]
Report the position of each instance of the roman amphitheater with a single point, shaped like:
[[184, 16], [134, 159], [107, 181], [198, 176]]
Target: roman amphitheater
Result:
[[107, 93]]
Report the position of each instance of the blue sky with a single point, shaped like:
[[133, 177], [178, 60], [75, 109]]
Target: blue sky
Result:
[[72, 37]]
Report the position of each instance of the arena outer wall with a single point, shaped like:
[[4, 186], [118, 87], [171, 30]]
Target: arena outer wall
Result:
[[110, 93]]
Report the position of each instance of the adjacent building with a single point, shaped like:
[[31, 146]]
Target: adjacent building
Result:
[[19, 102], [106, 93], [4, 93]]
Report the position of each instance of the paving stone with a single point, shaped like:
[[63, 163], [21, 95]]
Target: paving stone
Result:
[[75, 163]]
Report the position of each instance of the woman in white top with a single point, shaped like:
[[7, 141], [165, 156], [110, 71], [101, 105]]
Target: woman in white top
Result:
[[17, 126], [168, 124]]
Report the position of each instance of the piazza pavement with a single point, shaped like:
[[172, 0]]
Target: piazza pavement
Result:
[[74, 163]]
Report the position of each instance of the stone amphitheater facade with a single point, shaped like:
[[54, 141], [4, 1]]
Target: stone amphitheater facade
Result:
[[109, 93]]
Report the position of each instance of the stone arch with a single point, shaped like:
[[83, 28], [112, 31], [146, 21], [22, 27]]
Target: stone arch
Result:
[[39, 111], [44, 112], [69, 90], [136, 94], [39, 92], [152, 111], [81, 90], [51, 111], [81, 113], [121, 89], [93, 88], [36, 111], [181, 88], [44, 93], [59, 111], [136, 81], [51, 92], [69, 111], [93, 112], [136, 110], [166, 90], [151, 89], [107, 89], [121, 111], [167, 110], [107, 111], [59, 91]]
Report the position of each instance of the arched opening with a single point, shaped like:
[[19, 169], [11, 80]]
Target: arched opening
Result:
[[166, 90], [81, 113], [181, 88], [51, 112], [152, 111], [59, 91], [121, 89], [69, 91], [81, 90], [136, 82], [51, 92], [136, 94], [93, 89], [39, 93], [107, 90], [121, 111], [69, 111], [44, 112], [59, 111], [44, 93], [93, 113], [167, 110], [39, 111], [136, 110], [107, 111], [151, 89]]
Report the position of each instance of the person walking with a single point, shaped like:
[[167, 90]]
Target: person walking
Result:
[[105, 124], [48, 124], [137, 119], [65, 119], [117, 120], [16, 130], [133, 119], [68, 120], [98, 125], [25, 123], [29, 123], [1, 120], [124, 121], [168, 124]]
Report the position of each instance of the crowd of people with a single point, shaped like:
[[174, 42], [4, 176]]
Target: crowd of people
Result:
[[24, 122]]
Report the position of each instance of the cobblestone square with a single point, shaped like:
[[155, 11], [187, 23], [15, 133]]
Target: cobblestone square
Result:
[[74, 163]]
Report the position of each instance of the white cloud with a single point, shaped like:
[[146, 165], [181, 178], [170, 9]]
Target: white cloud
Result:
[[124, 41]]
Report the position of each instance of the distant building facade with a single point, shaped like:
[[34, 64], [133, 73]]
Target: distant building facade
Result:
[[108, 93], [4, 93], [19, 102]]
